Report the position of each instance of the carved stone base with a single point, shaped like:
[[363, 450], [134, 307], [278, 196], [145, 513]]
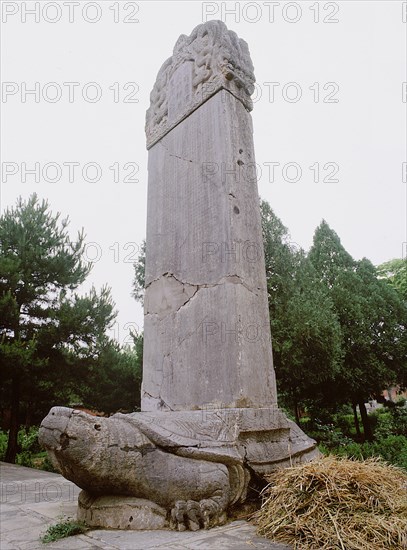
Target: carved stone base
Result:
[[187, 468], [120, 512]]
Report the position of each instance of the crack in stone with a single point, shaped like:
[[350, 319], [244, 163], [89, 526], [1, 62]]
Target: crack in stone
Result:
[[166, 274], [172, 154], [158, 398], [142, 449], [149, 395], [162, 402], [174, 448], [225, 279], [158, 135], [184, 285], [177, 157], [245, 460], [189, 334]]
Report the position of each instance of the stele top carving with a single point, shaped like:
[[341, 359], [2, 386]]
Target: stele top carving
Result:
[[210, 59]]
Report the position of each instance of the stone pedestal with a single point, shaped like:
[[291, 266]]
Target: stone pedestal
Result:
[[117, 512]]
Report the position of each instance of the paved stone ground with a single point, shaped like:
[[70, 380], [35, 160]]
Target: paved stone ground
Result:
[[32, 499]]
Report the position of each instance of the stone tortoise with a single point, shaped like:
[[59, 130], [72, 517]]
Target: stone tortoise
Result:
[[194, 464]]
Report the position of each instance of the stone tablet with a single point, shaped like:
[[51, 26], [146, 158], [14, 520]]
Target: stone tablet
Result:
[[210, 425]]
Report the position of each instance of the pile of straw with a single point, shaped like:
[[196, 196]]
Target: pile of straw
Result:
[[335, 503]]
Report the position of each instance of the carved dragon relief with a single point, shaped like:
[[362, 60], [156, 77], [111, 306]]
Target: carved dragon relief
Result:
[[218, 59]]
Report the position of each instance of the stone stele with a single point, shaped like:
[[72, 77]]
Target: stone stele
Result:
[[210, 426]]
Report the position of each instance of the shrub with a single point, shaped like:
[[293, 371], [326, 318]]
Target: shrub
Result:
[[29, 441], [47, 466], [329, 436], [3, 444], [346, 423], [382, 425], [30, 455], [399, 419], [63, 529], [29, 445], [393, 449]]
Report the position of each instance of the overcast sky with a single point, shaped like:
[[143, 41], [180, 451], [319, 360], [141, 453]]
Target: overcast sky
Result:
[[329, 96]]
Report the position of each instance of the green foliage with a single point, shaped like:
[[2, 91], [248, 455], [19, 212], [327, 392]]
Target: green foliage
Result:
[[373, 321], [115, 381], [399, 421], [28, 446], [3, 444], [29, 453], [37, 260], [346, 423], [305, 332], [29, 441], [65, 528], [393, 449], [287, 413], [394, 272], [139, 274], [339, 337], [330, 436], [390, 429], [49, 335], [382, 424], [44, 463], [339, 330]]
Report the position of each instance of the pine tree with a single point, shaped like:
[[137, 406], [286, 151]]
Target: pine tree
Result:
[[372, 319], [305, 331], [48, 333]]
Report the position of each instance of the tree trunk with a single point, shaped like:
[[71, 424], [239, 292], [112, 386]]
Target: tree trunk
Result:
[[297, 411], [367, 429], [28, 416], [12, 446], [356, 420]]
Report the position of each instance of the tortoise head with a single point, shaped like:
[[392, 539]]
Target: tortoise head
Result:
[[70, 436]]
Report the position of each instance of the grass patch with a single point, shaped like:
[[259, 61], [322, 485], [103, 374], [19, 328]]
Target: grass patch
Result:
[[63, 529]]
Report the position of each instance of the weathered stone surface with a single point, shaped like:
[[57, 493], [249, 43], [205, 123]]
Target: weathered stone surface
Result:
[[198, 174], [203, 355], [210, 421], [29, 505], [194, 464], [114, 512], [210, 59], [112, 456], [204, 232]]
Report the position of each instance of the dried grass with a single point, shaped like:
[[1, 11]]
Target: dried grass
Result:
[[336, 503]]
